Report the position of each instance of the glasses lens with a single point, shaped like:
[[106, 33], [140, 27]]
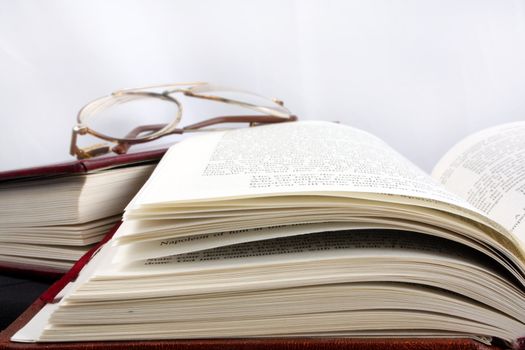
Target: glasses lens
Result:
[[130, 115], [239, 98]]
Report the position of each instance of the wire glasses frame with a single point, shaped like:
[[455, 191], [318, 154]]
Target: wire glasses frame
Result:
[[275, 112]]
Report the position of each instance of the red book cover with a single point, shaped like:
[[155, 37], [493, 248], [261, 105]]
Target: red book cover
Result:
[[81, 166]]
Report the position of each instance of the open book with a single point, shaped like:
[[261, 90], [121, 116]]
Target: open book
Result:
[[309, 229]]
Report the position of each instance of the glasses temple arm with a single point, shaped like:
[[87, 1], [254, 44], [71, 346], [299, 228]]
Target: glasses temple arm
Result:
[[123, 146], [252, 119]]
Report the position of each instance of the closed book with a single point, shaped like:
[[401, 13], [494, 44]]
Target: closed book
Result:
[[51, 215]]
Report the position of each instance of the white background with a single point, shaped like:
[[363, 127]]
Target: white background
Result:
[[419, 74]]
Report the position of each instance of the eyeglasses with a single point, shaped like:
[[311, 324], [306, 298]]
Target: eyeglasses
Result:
[[159, 107]]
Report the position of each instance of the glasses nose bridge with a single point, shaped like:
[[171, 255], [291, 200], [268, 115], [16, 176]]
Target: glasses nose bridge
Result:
[[175, 91]]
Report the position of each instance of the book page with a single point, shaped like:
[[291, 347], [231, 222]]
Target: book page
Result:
[[488, 170], [300, 157], [174, 246], [357, 244]]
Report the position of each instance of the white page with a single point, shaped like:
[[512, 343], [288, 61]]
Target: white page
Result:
[[34, 328], [364, 244], [182, 245], [488, 170], [286, 158]]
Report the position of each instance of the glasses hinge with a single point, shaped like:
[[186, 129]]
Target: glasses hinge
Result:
[[94, 151]]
